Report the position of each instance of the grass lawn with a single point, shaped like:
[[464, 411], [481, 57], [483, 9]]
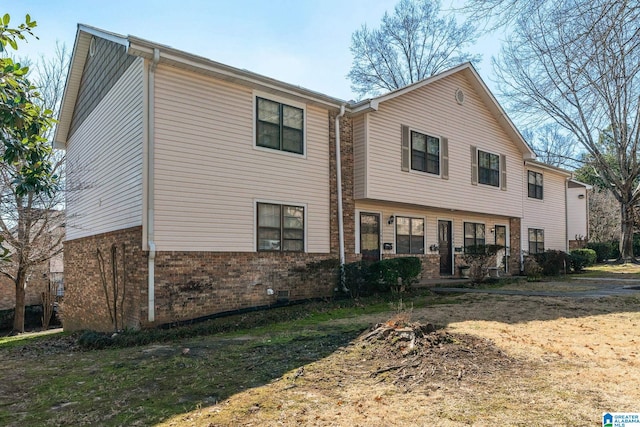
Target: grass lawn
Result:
[[510, 360]]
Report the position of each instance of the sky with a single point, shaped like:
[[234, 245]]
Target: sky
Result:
[[301, 42]]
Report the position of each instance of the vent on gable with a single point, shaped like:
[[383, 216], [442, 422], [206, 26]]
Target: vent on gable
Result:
[[92, 46], [459, 96]]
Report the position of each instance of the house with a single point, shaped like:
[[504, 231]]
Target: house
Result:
[[216, 189], [578, 213], [47, 232]]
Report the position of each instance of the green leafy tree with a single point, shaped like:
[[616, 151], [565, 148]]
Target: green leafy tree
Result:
[[23, 122], [29, 169]]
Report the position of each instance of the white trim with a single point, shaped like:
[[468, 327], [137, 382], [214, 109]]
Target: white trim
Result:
[[395, 231], [281, 203], [411, 169], [285, 101], [464, 221], [526, 181], [507, 245], [478, 150], [357, 228], [453, 241], [96, 32], [530, 227], [366, 156], [536, 164]]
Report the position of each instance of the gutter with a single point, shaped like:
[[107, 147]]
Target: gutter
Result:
[[339, 188], [150, 185]]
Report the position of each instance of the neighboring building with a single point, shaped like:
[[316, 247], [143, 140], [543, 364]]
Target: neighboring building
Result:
[[221, 184], [578, 213], [44, 276]]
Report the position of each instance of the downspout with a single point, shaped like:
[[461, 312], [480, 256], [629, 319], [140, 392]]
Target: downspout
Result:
[[566, 215], [339, 188], [150, 185]]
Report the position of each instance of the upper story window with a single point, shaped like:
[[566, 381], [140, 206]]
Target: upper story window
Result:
[[409, 235], [279, 126], [535, 185], [425, 153], [536, 240], [488, 168], [474, 236], [280, 227]]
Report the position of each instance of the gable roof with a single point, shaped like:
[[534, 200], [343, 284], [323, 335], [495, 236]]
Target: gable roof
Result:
[[167, 55], [469, 71], [177, 58], [548, 167]]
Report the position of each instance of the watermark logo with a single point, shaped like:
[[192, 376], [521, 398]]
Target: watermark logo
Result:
[[621, 419]]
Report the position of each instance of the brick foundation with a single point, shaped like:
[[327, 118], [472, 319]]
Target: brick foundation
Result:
[[188, 285], [514, 246], [85, 303], [194, 284]]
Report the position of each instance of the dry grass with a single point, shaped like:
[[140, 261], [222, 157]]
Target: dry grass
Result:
[[572, 360], [556, 286], [614, 270]]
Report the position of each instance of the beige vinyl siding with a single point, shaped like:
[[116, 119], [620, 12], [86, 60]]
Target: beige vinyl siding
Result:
[[432, 216], [576, 213], [433, 110], [359, 157], [549, 213], [104, 161], [209, 176]]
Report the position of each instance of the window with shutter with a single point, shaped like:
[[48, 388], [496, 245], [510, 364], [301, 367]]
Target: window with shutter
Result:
[[474, 165], [406, 149], [444, 149]]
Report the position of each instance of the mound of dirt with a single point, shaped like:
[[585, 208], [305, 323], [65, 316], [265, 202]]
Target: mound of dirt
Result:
[[412, 354]]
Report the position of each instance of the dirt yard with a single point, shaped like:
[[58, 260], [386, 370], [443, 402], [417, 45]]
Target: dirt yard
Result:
[[491, 360], [502, 360]]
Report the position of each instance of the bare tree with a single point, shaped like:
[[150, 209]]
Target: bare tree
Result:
[[577, 63], [604, 218], [31, 223], [553, 145], [413, 43]]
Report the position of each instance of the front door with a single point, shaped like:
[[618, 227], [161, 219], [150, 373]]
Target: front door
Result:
[[370, 236], [501, 240], [444, 245]]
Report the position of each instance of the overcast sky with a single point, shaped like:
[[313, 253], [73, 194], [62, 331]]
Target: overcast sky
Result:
[[302, 42]]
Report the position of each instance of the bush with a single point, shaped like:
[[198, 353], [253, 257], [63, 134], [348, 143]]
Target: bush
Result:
[[552, 262], [479, 258], [605, 250], [532, 269], [358, 279], [581, 258], [364, 278], [91, 340]]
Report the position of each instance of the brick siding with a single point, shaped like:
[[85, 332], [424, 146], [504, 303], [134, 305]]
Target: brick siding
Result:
[[189, 285]]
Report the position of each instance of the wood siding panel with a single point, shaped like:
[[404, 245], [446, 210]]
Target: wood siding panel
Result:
[[101, 72], [432, 216], [434, 110], [577, 213], [549, 213], [208, 175], [104, 161]]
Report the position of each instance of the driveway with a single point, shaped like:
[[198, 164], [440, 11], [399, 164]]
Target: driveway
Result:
[[591, 287]]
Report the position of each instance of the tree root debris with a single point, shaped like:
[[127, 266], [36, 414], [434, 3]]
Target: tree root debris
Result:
[[413, 354]]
